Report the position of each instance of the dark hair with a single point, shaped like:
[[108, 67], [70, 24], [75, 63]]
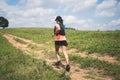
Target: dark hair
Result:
[[59, 18]]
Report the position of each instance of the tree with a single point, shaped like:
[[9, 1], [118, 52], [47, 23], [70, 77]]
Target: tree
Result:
[[3, 22]]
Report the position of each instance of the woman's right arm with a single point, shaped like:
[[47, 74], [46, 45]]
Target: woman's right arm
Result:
[[57, 29]]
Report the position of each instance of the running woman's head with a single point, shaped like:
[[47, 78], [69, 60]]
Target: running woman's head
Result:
[[59, 19]]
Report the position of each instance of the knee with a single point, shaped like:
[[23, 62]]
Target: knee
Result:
[[64, 51], [57, 52]]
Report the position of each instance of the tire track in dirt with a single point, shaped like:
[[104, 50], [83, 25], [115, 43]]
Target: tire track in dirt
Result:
[[103, 57], [76, 72], [24, 47]]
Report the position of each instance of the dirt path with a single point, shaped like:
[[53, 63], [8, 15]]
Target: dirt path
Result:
[[103, 57], [76, 72]]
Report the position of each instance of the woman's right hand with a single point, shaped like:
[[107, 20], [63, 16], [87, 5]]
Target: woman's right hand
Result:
[[53, 35]]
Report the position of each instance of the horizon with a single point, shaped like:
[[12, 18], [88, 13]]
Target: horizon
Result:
[[20, 27]]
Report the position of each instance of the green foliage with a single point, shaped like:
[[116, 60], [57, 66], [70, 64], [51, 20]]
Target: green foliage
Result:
[[102, 42], [39, 35], [90, 41], [3, 22], [15, 65], [18, 40], [94, 41]]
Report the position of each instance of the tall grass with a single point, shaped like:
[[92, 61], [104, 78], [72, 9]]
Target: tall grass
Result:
[[15, 65]]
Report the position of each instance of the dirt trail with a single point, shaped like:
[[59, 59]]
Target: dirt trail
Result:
[[76, 72], [103, 57]]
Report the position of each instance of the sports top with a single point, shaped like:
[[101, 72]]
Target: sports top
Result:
[[60, 35]]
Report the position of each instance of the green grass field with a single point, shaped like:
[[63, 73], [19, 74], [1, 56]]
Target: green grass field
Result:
[[15, 65], [101, 42]]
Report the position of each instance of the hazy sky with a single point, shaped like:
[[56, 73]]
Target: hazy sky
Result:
[[79, 14]]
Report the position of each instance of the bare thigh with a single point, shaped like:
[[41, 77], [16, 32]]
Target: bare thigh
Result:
[[64, 48], [57, 48]]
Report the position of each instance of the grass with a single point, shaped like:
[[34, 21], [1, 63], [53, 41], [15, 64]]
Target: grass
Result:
[[96, 41], [18, 40], [15, 65], [39, 35], [101, 42], [109, 68]]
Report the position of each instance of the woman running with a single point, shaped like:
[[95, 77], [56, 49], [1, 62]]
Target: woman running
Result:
[[60, 41]]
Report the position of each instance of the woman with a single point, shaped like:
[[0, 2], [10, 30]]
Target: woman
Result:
[[60, 41]]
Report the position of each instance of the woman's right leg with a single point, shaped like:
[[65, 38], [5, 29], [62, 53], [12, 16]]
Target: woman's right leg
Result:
[[65, 54], [57, 52], [66, 57]]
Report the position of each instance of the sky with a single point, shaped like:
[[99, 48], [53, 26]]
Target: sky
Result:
[[78, 14]]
